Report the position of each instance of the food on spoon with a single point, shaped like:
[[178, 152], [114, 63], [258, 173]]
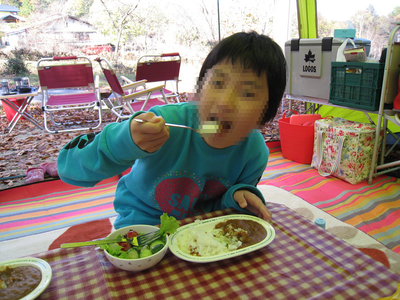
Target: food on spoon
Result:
[[209, 127], [127, 251], [226, 236], [15, 283]]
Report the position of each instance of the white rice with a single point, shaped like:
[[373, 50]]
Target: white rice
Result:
[[198, 242]]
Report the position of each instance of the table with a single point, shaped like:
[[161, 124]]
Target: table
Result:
[[303, 262], [20, 111]]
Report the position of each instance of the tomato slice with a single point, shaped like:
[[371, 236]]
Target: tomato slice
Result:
[[131, 234]]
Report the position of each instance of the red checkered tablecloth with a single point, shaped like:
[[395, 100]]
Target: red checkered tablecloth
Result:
[[303, 262]]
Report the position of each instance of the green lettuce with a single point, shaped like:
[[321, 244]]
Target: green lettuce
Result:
[[168, 224]]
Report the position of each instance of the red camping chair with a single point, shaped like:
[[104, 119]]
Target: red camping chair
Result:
[[160, 68], [129, 98], [68, 85]]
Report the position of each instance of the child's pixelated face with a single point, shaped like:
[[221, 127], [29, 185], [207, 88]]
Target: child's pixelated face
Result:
[[235, 98]]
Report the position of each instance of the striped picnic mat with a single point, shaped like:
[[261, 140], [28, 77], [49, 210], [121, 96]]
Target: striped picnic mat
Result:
[[374, 209], [56, 210]]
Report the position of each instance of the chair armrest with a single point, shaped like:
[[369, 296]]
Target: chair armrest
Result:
[[126, 79], [142, 92], [134, 85]]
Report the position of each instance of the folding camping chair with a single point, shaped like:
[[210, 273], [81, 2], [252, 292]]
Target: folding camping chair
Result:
[[160, 68], [68, 85], [129, 98]]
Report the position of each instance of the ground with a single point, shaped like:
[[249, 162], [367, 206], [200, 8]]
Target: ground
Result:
[[27, 146]]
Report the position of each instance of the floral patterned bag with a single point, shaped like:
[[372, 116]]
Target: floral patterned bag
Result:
[[343, 149]]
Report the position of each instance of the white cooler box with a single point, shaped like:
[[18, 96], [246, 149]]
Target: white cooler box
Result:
[[309, 64]]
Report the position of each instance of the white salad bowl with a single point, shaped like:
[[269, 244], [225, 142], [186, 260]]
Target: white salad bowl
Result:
[[138, 264]]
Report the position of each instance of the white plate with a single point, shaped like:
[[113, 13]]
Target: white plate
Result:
[[38, 263], [208, 225]]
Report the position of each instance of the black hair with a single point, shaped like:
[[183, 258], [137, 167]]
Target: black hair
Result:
[[258, 53]]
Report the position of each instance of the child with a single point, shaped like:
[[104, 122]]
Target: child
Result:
[[179, 171]]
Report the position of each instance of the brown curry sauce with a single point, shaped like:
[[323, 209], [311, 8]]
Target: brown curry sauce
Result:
[[18, 282], [247, 231]]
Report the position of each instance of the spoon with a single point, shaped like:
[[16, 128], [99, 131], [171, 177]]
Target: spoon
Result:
[[210, 127]]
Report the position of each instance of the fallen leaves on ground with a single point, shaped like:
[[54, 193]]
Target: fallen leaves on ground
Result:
[[27, 146]]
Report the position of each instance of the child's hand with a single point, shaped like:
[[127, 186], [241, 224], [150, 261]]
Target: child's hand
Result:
[[149, 136], [252, 203]]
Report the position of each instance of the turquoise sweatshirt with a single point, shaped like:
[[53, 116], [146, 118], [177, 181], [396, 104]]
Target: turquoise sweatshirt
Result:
[[185, 177]]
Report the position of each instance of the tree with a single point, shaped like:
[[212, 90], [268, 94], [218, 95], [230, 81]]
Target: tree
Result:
[[112, 18], [325, 27], [133, 22], [369, 25], [365, 22], [15, 3], [120, 20], [78, 8], [15, 65], [27, 8], [395, 14], [30, 6], [209, 13]]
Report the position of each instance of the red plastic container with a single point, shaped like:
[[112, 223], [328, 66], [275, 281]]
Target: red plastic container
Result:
[[10, 113], [298, 119], [297, 141]]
